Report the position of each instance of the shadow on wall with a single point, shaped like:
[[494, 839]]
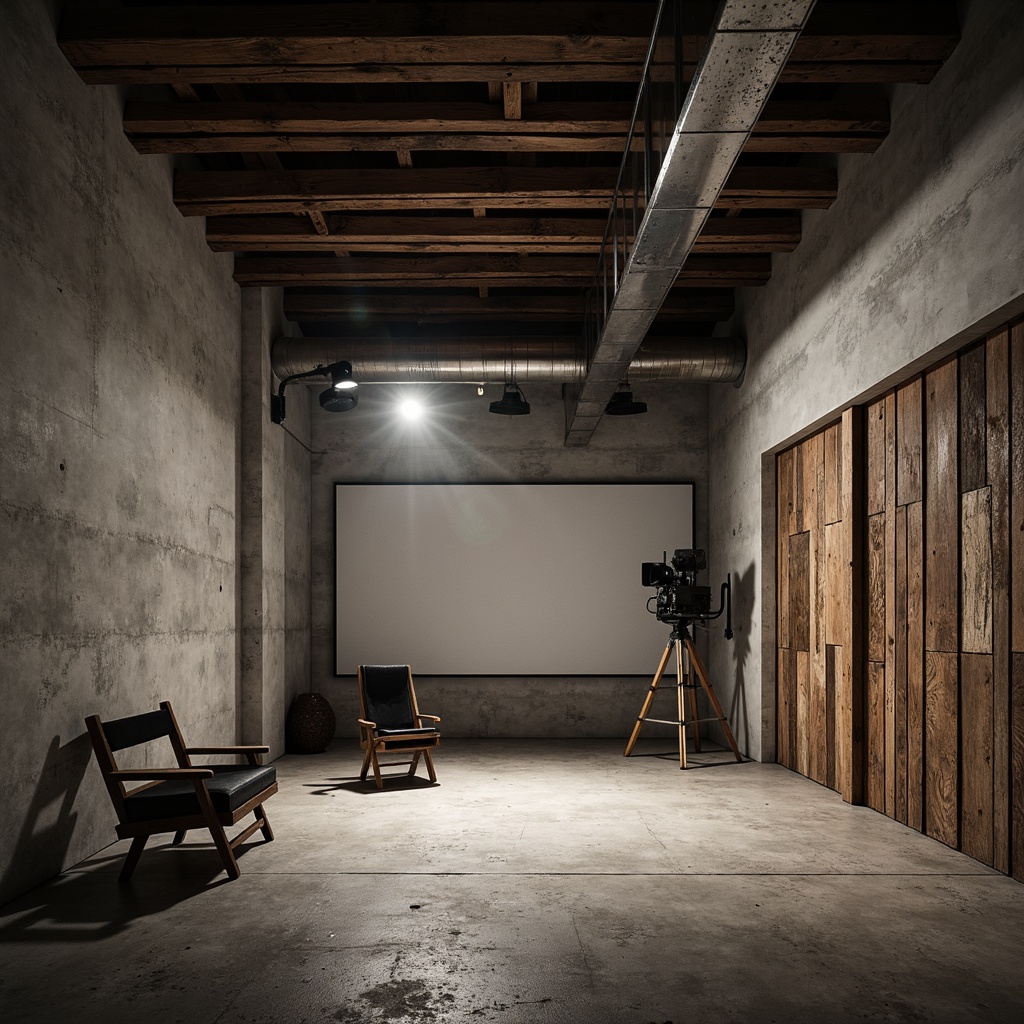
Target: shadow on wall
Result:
[[742, 611], [40, 849]]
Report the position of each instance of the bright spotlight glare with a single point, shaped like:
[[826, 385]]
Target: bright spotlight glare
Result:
[[411, 408]]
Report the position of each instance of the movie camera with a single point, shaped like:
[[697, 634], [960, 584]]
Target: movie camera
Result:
[[679, 598]]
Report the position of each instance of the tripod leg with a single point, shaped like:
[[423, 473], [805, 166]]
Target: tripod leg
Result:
[[693, 702], [681, 702], [702, 675], [647, 701]]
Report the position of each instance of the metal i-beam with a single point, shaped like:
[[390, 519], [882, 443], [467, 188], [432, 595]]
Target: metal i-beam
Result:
[[745, 54]]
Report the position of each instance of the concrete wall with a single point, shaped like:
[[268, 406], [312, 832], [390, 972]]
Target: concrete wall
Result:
[[275, 531], [464, 443], [120, 462], [923, 251]]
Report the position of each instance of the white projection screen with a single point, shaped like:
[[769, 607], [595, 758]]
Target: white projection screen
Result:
[[503, 579]]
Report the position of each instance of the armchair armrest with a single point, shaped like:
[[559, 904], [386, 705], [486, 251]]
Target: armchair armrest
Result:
[[367, 725], [233, 749], [162, 774], [429, 718]]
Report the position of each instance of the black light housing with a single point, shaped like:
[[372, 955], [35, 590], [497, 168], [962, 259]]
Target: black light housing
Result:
[[622, 403], [339, 397], [512, 403]]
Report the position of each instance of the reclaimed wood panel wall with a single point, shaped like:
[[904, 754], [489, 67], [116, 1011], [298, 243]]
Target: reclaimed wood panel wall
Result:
[[930, 731]]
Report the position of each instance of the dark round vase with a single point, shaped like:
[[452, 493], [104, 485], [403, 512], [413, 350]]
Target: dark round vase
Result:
[[309, 726]]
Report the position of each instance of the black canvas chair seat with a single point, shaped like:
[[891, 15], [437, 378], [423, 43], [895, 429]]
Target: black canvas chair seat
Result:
[[186, 796], [392, 721], [231, 787]]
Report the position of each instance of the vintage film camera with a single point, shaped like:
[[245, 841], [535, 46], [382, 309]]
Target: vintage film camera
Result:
[[679, 598]]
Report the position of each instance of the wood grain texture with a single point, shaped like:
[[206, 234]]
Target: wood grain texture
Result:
[[850, 698], [1017, 485], [1017, 764], [890, 604], [786, 720], [976, 571], [874, 741], [942, 510], [803, 699], [875, 491], [976, 756], [835, 591], [833, 473], [800, 592], [875, 591], [909, 457], [972, 418], [900, 752], [941, 747], [814, 497], [833, 673], [784, 503], [997, 400], [915, 666]]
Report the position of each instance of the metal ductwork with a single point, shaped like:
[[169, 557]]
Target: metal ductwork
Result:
[[497, 360]]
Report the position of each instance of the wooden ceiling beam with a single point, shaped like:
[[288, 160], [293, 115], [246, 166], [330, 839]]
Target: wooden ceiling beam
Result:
[[442, 307], [905, 40], [210, 193], [497, 271], [543, 127], [285, 233]]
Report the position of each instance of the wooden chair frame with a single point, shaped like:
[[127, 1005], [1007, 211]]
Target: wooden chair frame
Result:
[[411, 743], [208, 818]]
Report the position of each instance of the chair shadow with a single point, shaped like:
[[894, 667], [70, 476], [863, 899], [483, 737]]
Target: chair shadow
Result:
[[352, 784], [88, 902]]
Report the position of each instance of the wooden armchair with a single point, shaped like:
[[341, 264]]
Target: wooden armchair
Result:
[[392, 721], [182, 798]]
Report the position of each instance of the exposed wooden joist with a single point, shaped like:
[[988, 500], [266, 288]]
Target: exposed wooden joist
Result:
[[209, 193], [284, 233], [799, 126], [497, 271], [444, 307], [360, 42]]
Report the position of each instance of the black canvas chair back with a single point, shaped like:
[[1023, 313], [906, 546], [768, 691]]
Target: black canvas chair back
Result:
[[392, 721], [177, 799]]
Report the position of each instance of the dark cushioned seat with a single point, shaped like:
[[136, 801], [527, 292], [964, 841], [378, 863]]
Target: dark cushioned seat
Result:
[[231, 786], [407, 732]]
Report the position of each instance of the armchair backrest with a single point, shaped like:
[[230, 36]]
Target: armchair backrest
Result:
[[121, 733], [387, 695]]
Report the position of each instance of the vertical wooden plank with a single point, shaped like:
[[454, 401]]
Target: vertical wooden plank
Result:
[[850, 684], [976, 756], [900, 667], [997, 398], [875, 598], [835, 606], [803, 685], [976, 571], [800, 592], [941, 510], [815, 519], [833, 672], [940, 746], [890, 604], [783, 500], [908, 435], [785, 707], [1017, 485], [915, 666], [972, 418], [833, 473], [1017, 755], [875, 491], [874, 742], [797, 522]]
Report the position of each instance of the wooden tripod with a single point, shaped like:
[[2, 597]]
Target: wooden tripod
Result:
[[687, 656]]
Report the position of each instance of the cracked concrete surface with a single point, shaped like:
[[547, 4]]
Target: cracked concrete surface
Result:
[[540, 881]]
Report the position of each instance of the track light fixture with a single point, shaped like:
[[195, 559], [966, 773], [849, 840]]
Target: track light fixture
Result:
[[622, 403], [512, 403], [339, 397]]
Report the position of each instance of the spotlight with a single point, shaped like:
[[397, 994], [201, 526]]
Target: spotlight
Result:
[[512, 403], [341, 376], [411, 409], [622, 404], [338, 401], [339, 397]]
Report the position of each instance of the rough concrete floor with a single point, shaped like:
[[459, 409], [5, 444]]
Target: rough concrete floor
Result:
[[541, 881]]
